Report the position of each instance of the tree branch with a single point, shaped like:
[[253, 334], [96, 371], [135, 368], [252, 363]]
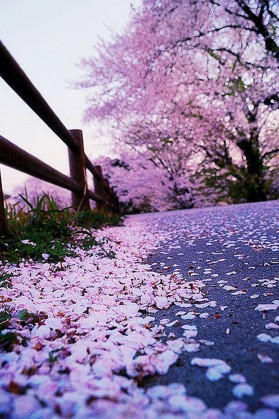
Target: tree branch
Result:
[[269, 153]]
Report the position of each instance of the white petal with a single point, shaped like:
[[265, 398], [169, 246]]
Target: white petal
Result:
[[162, 302], [174, 323], [189, 316], [235, 406], [165, 360], [195, 404], [5, 403], [275, 340], [67, 407], [189, 327], [42, 332], [159, 392], [242, 389], [79, 351], [53, 323], [263, 337], [212, 414], [129, 309], [271, 326], [24, 406], [213, 375], [191, 347], [206, 362], [272, 400], [265, 413], [186, 404], [237, 378], [190, 333], [223, 368], [177, 388], [265, 359], [266, 307]]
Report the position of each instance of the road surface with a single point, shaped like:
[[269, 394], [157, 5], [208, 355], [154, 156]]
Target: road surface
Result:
[[234, 251]]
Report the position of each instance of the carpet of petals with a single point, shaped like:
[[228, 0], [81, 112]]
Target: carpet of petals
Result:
[[96, 340]]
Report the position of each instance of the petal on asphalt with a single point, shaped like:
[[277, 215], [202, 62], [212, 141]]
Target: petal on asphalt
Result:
[[272, 400], [242, 389]]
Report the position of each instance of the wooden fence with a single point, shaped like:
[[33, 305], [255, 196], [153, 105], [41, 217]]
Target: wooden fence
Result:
[[13, 156]]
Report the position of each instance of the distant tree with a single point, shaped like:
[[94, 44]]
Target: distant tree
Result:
[[143, 187], [192, 85], [245, 134]]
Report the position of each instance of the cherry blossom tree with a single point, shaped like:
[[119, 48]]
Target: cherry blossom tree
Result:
[[143, 187], [191, 85], [246, 137]]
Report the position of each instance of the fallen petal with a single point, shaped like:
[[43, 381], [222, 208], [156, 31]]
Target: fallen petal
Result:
[[237, 378], [263, 337], [265, 359], [272, 400], [213, 375], [265, 413], [266, 307], [241, 390], [206, 362]]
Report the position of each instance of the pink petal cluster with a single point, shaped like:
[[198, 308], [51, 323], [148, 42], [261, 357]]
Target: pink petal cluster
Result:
[[96, 338]]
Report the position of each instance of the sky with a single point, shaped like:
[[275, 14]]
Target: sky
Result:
[[48, 38]]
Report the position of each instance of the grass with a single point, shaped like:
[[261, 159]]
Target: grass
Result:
[[11, 322], [5, 280], [7, 338], [43, 232]]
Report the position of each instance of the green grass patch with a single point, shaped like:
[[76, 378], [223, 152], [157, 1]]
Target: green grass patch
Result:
[[5, 280], [26, 316], [5, 316], [11, 322], [42, 231], [7, 338]]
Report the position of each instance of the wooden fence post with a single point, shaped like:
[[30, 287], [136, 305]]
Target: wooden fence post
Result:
[[3, 223], [80, 201], [110, 202], [100, 189]]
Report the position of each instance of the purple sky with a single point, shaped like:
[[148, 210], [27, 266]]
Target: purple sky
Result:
[[47, 38]]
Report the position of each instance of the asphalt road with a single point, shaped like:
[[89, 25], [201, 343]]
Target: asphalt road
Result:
[[234, 251]]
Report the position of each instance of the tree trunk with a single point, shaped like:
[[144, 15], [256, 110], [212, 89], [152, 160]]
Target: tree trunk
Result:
[[255, 183]]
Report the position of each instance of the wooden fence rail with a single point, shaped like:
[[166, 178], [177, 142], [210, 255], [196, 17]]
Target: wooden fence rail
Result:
[[13, 156]]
